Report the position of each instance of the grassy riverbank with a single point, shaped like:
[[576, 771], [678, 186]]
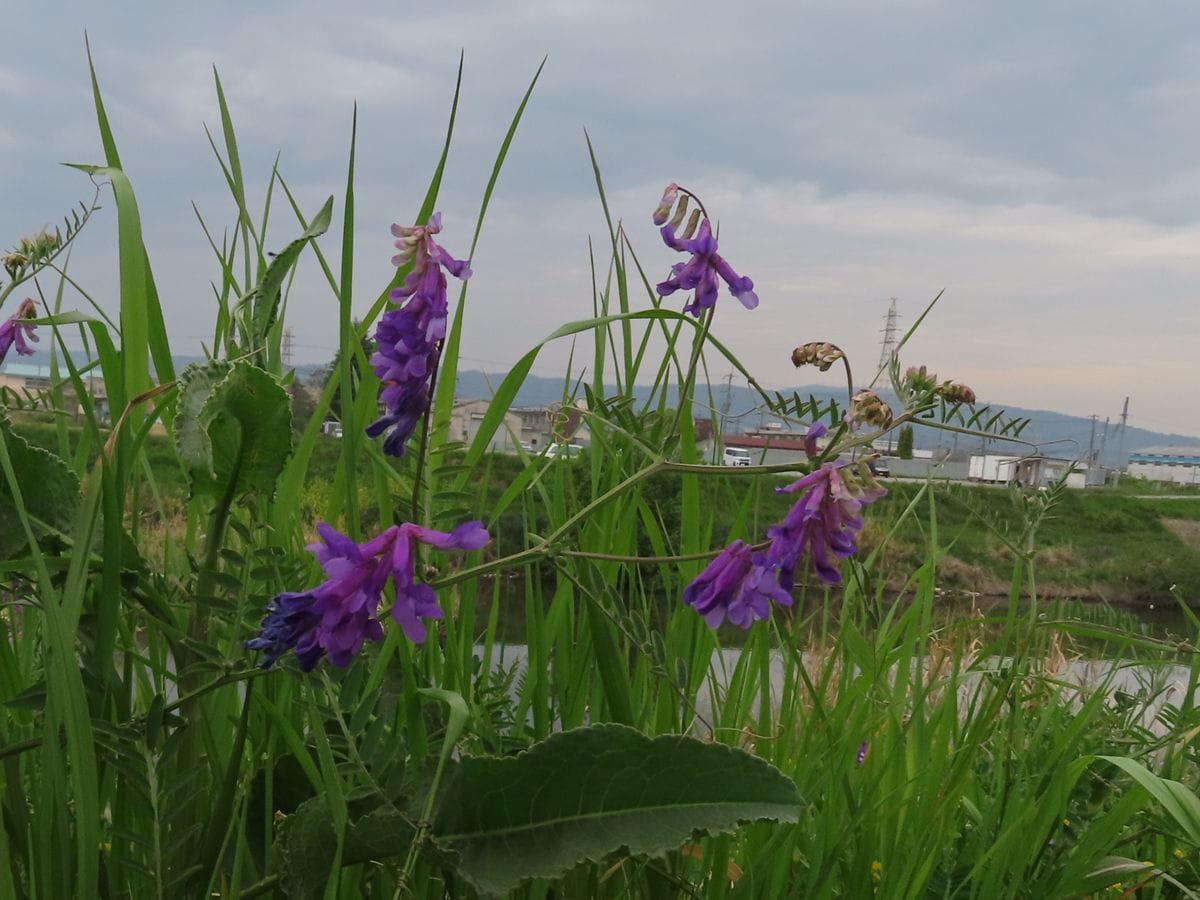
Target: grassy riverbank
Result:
[[1132, 544]]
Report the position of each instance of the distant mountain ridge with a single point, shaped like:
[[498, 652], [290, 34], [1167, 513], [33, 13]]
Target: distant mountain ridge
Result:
[[1055, 433]]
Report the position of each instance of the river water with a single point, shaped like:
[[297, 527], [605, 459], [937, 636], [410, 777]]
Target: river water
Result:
[[1147, 687]]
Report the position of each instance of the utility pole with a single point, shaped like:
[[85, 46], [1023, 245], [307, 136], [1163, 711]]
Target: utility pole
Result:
[[888, 345], [1103, 445], [1121, 442], [1092, 442], [286, 350]]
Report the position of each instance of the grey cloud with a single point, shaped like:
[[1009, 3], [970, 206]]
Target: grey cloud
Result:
[[1036, 161]]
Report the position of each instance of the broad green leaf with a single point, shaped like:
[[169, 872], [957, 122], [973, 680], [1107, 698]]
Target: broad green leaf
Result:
[[50, 491], [196, 385], [234, 428], [308, 844], [583, 794]]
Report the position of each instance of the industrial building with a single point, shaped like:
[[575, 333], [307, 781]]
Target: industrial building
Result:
[[1177, 465]]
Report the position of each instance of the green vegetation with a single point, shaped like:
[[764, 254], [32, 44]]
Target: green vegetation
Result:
[[1097, 543]]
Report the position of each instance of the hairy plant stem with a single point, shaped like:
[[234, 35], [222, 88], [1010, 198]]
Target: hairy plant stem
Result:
[[423, 449], [197, 627]]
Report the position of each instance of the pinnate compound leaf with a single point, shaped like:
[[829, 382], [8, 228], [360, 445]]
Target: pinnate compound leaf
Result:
[[234, 428], [583, 794], [48, 487]]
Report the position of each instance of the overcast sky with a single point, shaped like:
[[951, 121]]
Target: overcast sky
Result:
[[1040, 162]]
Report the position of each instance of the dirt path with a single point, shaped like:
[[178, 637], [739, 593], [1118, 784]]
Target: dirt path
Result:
[[1187, 530]]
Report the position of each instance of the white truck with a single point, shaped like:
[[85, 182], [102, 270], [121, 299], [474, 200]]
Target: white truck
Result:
[[735, 456]]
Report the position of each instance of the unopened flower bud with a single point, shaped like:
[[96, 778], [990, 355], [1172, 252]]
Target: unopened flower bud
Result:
[[663, 212], [14, 262], [45, 243], [955, 392], [821, 354], [920, 380], [868, 408], [693, 221], [680, 212]]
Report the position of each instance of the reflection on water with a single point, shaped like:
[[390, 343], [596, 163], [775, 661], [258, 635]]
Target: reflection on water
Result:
[[1144, 688]]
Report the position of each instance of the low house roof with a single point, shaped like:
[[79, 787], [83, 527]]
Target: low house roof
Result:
[[765, 442]]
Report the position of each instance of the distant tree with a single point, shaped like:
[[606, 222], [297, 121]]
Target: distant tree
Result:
[[304, 404], [904, 444], [323, 375]]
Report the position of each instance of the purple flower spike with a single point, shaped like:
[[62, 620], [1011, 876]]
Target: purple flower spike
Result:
[[700, 273], [409, 337], [738, 585], [290, 624], [338, 616], [16, 331], [823, 521], [861, 756]]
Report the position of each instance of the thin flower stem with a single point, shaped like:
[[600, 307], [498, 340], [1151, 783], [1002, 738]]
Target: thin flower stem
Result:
[[682, 557], [423, 449], [62, 273], [231, 678], [544, 547], [849, 381], [685, 389]]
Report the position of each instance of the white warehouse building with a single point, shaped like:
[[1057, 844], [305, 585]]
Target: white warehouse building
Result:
[[1178, 465]]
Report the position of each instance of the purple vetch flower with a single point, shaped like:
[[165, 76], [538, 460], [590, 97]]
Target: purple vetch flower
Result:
[[861, 756], [815, 430], [338, 616], [701, 271], [16, 331], [823, 522], [418, 601], [409, 337], [335, 618], [739, 585]]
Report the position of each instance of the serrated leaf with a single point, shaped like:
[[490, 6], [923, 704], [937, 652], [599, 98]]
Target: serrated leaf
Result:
[[307, 844], [583, 794], [196, 384], [233, 429], [48, 487]]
